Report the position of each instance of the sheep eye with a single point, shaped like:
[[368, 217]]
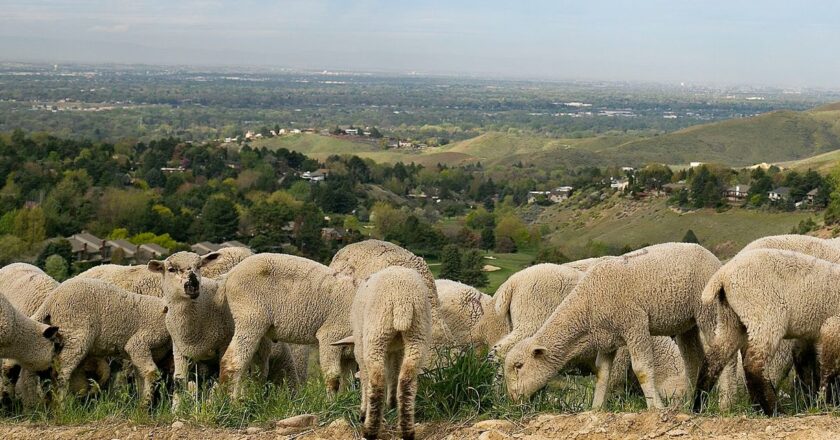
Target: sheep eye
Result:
[[173, 270], [517, 365]]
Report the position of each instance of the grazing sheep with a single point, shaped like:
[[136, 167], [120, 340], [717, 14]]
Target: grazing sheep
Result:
[[587, 263], [764, 296], [361, 260], [136, 279], [469, 315], [198, 318], [289, 299], [99, 319], [814, 246], [654, 291], [224, 262], [528, 298], [391, 326], [26, 341]]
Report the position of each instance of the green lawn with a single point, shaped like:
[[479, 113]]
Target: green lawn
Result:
[[509, 264]]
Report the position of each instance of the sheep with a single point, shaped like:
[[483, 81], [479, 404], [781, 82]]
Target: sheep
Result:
[[814, 246], [198, 318], [828, 352], [622, 301], [587, 263], [361, 260], [764, 296], [528, 297], [289, 299], [30, 343], [139, 279], [227, 258], [99, 319], [26, 287], [391, 327], [469, 315]]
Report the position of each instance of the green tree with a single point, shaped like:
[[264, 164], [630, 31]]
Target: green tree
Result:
[[31, 226], [11, 249], [689, 237], [472, 269], [56, 266], [450, 263], [219, 220], [61, 247], [488, 238]]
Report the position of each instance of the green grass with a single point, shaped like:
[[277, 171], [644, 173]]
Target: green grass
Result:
[[508, 264], [624, 222]]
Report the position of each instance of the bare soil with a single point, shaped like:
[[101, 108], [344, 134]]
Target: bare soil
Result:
[[587, 425]]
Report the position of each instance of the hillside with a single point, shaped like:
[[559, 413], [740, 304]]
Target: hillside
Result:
[[622, 222]]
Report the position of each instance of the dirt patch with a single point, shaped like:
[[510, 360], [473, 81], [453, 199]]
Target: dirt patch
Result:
[[587, 425]]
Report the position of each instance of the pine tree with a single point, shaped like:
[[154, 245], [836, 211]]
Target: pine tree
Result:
[[689, 237], [472, 264], [450, 263]]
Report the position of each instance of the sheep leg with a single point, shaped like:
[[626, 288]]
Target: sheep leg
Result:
[[406, 393], [180, 376], [640, 346], [375, 398], [721, 354], [240, 352], [761, 390], [603, 370], [29, 389], [691, 349], [68, 360], [7, 376], [393, 360], [141, 357], [805, 364]]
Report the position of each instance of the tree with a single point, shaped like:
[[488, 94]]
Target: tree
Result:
[[61, 247], [219, 219], [488, 238], [31, 226], [551, 254], [505, 245], [11, 249], [56, 266], [450, 263], [307, 232], [118, 256], [472, 269], [689, 237]]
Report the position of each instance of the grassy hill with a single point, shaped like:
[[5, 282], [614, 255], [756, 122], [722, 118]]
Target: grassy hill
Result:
[[773, 137], [625, 222]]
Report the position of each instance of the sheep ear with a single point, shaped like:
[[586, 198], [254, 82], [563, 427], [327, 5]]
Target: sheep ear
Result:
[[50, 332], [155, 266], [538, 351], [346, 342], [212, 256]]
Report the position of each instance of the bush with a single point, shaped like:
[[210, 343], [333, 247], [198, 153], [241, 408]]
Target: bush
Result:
[[56, 266]]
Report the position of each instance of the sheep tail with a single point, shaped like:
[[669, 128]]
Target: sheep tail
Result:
[[714, 290], [403, 316], [503, 298]]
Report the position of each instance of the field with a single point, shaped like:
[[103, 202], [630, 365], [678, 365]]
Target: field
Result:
[[623, 222], [508, 264]]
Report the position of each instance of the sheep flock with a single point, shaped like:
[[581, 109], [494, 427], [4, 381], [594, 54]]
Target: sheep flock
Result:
[[670, 318]]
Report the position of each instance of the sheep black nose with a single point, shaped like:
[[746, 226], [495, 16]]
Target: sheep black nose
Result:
[[191, 286]]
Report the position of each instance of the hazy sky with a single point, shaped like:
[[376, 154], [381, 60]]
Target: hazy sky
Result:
[[788, 43]]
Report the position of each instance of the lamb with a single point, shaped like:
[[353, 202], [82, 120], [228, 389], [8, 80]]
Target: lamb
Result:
[[469, 315], [391, 326], [622, 301], [26, 341], [139, 279], [527, 299], [99, 319], [828, 352], [198, 318], [764, 296], [289, 299], [587, 263], [814, 246], [361, 260]]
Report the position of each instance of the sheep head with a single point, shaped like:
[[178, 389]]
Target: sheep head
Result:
[[528, 368], [46, 345], [182, 273]]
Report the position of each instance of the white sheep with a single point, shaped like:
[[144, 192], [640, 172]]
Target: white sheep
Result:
[[764, 296], [391, 330], [469, 315], [826, 249], [289, 299], [654, 291], [363, 259], [101, 320], [199, 319], [30, 343], [586, 263], [225, 260]]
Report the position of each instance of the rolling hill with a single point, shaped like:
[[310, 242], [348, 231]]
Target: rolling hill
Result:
[[779, 136]]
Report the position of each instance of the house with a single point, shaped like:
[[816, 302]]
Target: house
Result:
[[88, 247], [620, 185], [249, 134], [405, 144], [332, 234], [561, 193], [695, 164], [534, 196], [205, 247], [736, 193], [781, 193], [233, 243], [352, 131], [811, 196], [315, 176], [127, 248], [151, 251], [171, 170], [628, 169]]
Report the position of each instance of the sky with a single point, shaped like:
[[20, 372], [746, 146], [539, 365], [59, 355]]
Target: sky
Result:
[[724, 42]]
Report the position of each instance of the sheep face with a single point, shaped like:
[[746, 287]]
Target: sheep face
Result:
[[46, 345], [527, 369], [181, 273]]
